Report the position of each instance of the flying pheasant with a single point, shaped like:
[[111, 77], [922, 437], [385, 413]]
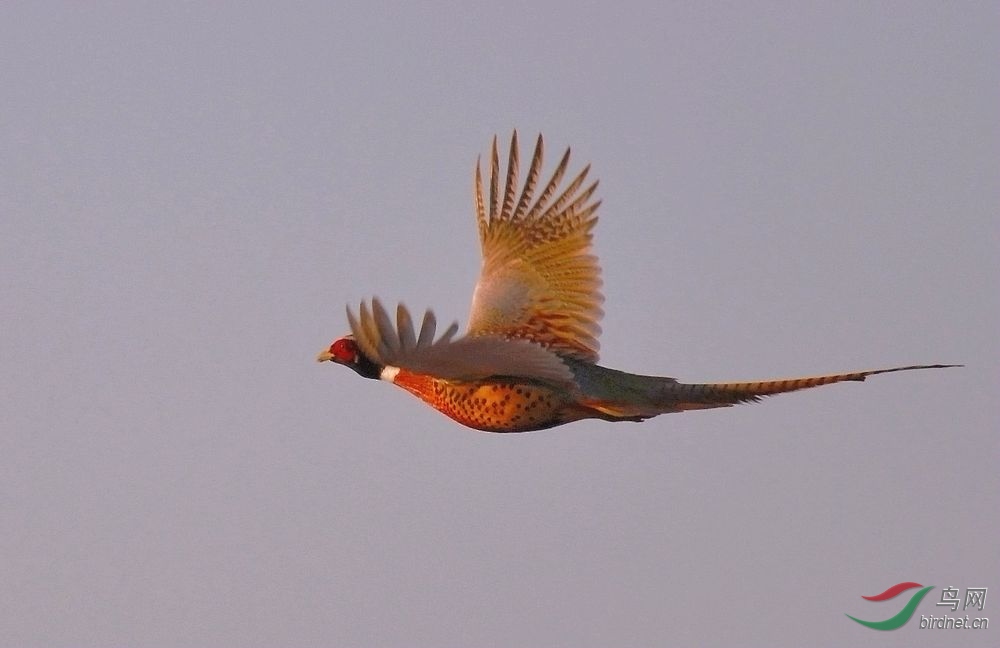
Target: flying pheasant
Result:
[[529, 358]]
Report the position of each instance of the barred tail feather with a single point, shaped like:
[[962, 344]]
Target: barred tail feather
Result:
[[684, 396]]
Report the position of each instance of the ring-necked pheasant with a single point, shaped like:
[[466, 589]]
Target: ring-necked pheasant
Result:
[[528, 360]]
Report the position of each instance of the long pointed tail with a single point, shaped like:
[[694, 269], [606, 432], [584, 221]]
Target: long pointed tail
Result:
[[684, 396]]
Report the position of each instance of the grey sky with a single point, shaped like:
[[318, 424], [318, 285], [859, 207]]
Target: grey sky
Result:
[[189, 195]]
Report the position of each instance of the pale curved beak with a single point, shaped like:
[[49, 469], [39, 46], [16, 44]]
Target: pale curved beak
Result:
[[324, 356]]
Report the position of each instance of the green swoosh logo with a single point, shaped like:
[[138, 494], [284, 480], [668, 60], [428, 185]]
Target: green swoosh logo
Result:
[[901, 618]]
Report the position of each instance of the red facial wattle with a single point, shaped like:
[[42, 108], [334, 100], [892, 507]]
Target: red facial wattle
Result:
[[344, 350]]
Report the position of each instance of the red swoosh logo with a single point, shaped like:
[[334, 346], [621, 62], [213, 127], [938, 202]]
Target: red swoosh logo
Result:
[[892, 592]]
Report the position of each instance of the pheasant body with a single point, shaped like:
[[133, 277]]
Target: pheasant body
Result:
[[529, 358], [506, 404]]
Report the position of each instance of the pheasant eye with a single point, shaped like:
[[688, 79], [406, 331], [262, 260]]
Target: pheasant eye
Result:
[[344, 350]]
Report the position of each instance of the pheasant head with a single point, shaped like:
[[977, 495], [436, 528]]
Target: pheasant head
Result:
[[345, 351]]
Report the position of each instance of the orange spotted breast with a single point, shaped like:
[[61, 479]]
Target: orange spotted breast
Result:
[[496, 405]]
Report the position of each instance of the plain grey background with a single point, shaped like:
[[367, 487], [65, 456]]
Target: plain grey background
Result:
[[191, 192]]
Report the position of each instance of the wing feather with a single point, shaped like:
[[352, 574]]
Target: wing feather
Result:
[[530, 181], [494, 181], [389, 345], [560, 203], [404, 324], [510, 189], [551, 187], [477, 191]]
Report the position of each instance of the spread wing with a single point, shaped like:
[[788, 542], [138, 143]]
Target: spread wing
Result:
[[539, 280], [468, 358]]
